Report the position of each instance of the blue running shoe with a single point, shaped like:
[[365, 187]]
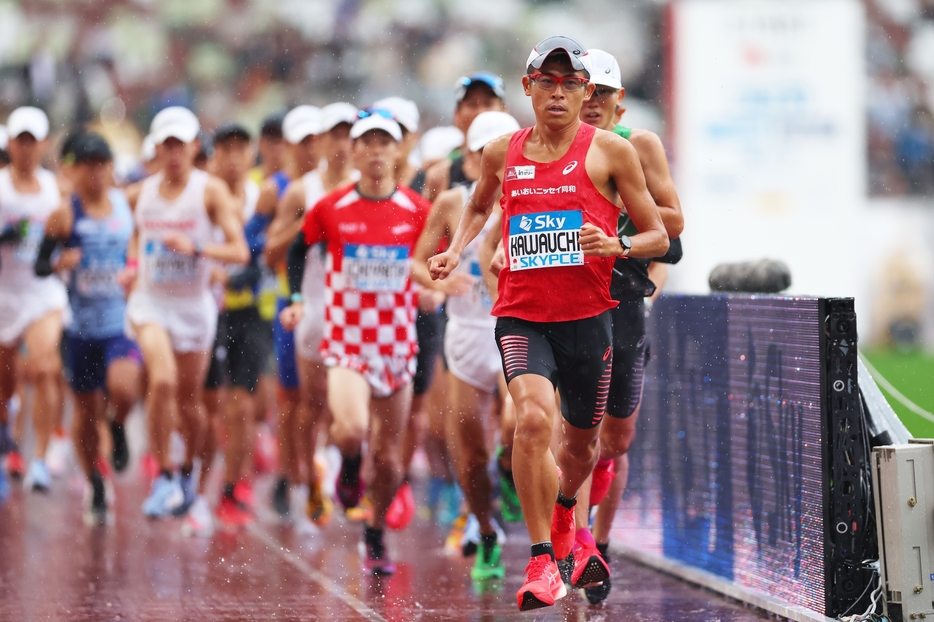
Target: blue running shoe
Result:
[[38, 477], [189, 494], [4, 486], [164, 497], [449, 505]]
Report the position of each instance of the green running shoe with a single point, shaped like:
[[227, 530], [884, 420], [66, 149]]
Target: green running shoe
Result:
[[508, 497], [488, 563]]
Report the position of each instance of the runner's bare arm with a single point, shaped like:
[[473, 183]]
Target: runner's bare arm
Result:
[[286, 224], [477, 209], [617, 165], [132, 194], [440, 225], [222, 211], [658, 180], [437, 178]]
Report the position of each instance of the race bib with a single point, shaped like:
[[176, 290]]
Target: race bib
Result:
[[165, 266], [376, 268], [98, 281], [28, 248], [545, 240]]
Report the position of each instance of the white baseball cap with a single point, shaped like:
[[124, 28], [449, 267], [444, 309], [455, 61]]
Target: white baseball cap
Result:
[[438, 142], [487, 126], [148, 150], [580, 59], [374, 120], [174, 122], [3, 138], [301, 122], [334, 114], [27, 119], [404, 110], [605, 69]]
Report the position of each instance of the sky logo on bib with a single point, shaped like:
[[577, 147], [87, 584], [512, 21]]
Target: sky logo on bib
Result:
[[545, 240], [518, 173]]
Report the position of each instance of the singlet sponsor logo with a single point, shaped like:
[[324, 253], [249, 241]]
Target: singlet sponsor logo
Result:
[[518, 173], [403, 228], [521, 192], [351, 227], [188, 224], [371, 268], [545, 240], [570, 167]]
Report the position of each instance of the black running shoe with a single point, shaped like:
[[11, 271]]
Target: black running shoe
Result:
[[280, 497], [96, 508], [598, 593], [566, 567], [121, 451]]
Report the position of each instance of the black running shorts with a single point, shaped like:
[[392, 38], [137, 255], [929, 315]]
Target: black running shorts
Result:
[[576, 356], [630, 354], [429, 329], [239, 350]]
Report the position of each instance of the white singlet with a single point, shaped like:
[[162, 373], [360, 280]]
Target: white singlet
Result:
[[24, 297], [173, 290], [469, 341], [310, 330]]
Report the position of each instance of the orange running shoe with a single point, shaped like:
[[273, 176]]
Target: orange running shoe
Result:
[[601, 481], [562, 530], [402, 509], [543, 584]]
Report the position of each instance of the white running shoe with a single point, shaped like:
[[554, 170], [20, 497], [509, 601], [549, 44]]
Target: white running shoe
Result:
[[58, 455], [37, 477], [199, 522]]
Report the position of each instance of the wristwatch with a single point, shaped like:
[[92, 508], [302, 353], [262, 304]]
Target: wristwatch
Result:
[[626, 244]]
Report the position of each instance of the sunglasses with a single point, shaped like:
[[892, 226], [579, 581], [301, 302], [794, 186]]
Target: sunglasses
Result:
[[548, 82], [369, 112]]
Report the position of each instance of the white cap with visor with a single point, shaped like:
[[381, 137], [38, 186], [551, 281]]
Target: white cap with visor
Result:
[[489, 126], [28, 120], [174, 122], [605, 70], [301, 122]]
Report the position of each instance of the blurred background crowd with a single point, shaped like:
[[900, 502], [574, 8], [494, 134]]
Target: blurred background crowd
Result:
[[119, 61]]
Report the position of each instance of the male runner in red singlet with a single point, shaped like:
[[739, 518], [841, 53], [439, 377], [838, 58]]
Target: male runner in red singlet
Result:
[[559, 179]]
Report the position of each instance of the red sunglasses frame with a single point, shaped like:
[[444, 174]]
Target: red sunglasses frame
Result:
[[559, 79]]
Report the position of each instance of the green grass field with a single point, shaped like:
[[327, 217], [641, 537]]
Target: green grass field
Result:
[[912, 373]]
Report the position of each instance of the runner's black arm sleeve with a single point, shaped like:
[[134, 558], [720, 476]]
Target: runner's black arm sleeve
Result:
[[674, 254], [43, 266], [295, 262]]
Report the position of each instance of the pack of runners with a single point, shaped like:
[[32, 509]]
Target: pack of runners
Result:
[[485, 303]]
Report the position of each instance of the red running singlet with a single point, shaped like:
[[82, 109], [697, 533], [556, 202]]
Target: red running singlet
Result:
[[547, 278]]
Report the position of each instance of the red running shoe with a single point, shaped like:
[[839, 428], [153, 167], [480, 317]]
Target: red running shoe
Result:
[[402, 509], [15, 465], [601, 481], [103, 467], [243, 493], [562, 530], [232, 513], [350, 493], [590, 568], [543, 584], [149, 466]]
